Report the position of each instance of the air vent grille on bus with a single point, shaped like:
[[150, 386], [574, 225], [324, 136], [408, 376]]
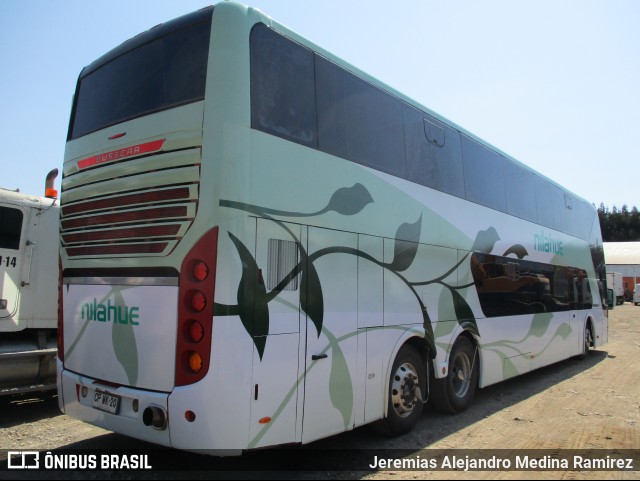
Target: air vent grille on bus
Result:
[[111, 212]]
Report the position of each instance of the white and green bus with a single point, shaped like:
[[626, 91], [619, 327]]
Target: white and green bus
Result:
[[263, 245]]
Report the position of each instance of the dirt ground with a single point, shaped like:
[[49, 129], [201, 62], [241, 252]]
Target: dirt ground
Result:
[[590, 404]]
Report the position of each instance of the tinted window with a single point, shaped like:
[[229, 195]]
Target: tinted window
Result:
[[508, 286], [10, 228], [282, 87], [433, 153], [520, 191], [164, 72], [551, 205], [300, 96], [483, 175], [571, 215], [358, 121], [586, 214]]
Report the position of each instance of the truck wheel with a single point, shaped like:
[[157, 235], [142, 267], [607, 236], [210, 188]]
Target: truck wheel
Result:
[[455, 393], [407, 389]]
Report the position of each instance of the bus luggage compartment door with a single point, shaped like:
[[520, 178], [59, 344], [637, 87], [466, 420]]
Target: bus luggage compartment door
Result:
[[124, 334]]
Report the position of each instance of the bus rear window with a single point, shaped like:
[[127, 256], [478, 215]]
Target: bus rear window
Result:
[[167, 70]]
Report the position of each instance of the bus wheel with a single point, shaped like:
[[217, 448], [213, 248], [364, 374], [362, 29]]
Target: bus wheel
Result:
[[588, 341], [455, 393], [407, 389]]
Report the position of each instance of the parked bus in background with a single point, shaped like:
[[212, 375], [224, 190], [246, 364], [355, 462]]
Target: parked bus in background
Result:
[[262, 245], [29, 245]]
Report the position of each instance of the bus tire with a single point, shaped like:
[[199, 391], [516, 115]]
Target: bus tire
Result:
[[456, 391], [404, 402], [587, 341]]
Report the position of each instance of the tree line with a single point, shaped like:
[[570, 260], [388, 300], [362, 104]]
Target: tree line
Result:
[[619, 225]]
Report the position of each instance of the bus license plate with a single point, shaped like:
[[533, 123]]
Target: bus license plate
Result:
[[106, 402]]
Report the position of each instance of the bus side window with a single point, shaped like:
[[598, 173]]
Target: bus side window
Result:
[[483, 175], [10, 228], [282, 87], [520, 191], [282, 261], [357, 120], [433, 153]]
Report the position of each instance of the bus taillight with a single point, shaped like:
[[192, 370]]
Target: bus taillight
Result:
[[197, 301], [200, 271], [195, 312], [196, 331], [195, 362]]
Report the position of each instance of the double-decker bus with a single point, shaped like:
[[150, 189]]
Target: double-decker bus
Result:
[[261, 244]]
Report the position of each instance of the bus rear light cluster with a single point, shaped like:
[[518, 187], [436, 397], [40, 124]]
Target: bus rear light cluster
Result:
[[195, 312]]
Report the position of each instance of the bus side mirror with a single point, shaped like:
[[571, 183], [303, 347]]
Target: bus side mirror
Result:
[[610, 299]]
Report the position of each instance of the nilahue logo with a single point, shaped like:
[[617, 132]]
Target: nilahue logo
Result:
[[110, 313], [545, 243]]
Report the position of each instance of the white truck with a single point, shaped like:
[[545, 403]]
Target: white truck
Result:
[[29, 243], [614, 282]]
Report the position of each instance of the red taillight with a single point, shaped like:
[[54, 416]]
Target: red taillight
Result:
[[195, 314], [60, 334], [196, 331], [200, 271], [197, 301]]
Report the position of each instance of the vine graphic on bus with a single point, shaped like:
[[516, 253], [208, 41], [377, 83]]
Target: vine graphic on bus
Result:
[[253, 298]]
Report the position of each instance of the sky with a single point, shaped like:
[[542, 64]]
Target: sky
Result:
[[554, 84]]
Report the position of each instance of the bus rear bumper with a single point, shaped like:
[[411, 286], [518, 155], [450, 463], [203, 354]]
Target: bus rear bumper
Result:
[[131, 412]]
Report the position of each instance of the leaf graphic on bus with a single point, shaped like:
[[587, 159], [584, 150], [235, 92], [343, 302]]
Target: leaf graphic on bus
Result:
[[564, 331], [539, 324], [428, 331], [311, 299], [124, 342], [464, 314], [509, 369], [518, 249], [349, 200], [340, 384], [252, 298], [485, 240], [445, 313], [406, 246]]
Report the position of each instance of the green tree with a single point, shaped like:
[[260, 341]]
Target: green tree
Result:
[[619, 225]]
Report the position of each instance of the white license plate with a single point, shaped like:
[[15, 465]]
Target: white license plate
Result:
[[106, 402]]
